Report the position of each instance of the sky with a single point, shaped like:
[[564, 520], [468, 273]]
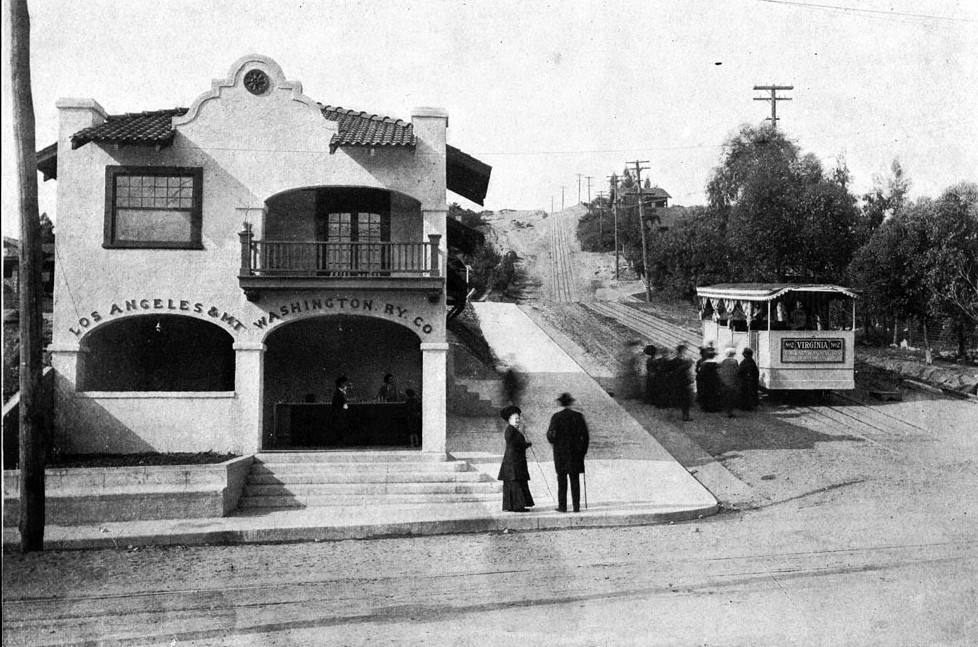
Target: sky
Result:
[[549, 93]]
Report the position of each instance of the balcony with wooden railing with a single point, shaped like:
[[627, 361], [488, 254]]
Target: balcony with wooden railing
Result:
[[268, 265]]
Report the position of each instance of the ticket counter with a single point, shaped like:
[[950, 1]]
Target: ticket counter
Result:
[[372, 424]]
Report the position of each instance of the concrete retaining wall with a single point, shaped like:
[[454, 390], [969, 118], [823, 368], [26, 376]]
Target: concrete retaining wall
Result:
[[79, 496], [963, 381]]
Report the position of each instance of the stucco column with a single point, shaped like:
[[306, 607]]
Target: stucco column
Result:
[[434, 365], [64, 363], [249, 382]]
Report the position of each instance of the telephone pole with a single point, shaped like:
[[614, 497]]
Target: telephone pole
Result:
[[589, 178], [561, 197], [774, 98], [33, 401], [613, 194], [600, 217], [579, 176], [641, 224]]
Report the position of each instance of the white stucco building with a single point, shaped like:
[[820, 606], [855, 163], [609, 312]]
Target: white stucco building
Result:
[[221, 263]]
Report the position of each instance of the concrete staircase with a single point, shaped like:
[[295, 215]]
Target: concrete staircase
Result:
[[473, 398], [362, 478]]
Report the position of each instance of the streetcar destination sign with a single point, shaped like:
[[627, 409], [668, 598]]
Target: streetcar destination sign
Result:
[[813, 351]]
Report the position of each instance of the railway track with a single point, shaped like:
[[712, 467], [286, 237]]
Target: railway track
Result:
[[658, 332], [561, 268], [243, 612]]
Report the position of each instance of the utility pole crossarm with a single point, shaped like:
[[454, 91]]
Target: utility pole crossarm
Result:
[[774, 98]]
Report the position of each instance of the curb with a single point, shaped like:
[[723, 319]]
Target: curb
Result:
[[529, 522]]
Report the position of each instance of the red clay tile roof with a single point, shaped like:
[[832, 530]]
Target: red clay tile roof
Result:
[[156, 129], [467, 176], [364, 129], [140, 128]]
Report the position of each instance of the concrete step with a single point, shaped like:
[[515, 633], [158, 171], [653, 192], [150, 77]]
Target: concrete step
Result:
[[272, 478], [361, 500], [349, 456], [370, 489], [446, 467], [488, 390], [463, 402], [70, 509]]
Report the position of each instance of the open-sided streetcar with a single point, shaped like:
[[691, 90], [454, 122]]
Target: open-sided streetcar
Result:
[[802, 334]]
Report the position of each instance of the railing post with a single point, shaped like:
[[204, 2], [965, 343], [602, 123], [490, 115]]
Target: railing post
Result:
[[245, 235], [435, 241]]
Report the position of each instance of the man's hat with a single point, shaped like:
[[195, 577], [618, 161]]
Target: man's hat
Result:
[[509, 411], [566, 399]]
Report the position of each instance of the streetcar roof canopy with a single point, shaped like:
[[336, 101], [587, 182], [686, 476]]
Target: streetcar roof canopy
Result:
[[766, 291]]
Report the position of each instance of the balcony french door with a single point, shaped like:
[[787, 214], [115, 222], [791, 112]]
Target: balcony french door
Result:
[[356, 244]]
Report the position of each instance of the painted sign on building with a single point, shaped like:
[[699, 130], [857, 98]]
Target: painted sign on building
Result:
[[813, 351]]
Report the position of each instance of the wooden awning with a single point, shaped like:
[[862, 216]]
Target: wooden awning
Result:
[[466, 175]]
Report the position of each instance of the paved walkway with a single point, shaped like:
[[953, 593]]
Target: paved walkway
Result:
[[631, 479], [626, 467]]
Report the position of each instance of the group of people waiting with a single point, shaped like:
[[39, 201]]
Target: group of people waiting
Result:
[[720, 385], [727, 384]]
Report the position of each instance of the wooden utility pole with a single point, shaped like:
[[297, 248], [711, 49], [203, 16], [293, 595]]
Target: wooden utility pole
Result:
[[641, 224], [613, 180], [774, 98], [579, 176], [562, 198], [31, 415], [600, 217]]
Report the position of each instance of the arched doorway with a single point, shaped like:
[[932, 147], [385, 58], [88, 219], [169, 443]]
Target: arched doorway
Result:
[[304, 358]]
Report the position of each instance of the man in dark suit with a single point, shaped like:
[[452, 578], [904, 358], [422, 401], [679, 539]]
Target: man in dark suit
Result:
[[569, 436]]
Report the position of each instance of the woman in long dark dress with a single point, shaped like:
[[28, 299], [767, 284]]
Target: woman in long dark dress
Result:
[[514, 472]]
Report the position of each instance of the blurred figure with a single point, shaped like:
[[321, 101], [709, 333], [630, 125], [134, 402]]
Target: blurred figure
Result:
[[749, 379], [654, 377], [628, 371], [514, 384], [414, 417], [729, 381], [388, 390], [680, 380], [706, 352], [708, 380]]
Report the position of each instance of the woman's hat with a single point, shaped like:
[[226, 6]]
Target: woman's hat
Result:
[[566, 399], [509, 411]]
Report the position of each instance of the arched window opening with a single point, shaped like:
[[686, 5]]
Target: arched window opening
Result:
[[162, 353]]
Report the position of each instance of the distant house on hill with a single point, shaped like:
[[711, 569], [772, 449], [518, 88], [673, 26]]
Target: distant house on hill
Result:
[[658, 199], [651, 197], [11, 272]]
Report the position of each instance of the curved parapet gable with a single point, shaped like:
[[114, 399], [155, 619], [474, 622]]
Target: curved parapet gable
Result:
[[276, 82]]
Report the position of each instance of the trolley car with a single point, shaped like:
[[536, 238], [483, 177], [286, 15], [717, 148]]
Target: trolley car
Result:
[[802, 335]]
